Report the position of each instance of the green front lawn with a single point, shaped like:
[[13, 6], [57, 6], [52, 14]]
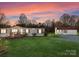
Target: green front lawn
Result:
[[41, 46]]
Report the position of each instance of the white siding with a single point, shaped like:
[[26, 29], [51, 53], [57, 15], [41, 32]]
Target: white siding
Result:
[[72, 32], [66, 32], [21, 31]]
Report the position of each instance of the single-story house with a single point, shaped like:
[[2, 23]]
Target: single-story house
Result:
[[19, 31], [66, 30]]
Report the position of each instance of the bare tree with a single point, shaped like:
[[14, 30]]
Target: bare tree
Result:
[[48, 23], [58, 23], [69, 20], [77, 23], [33, 21], [72, 20], [23, 19], [2, 18], [3, 21], [65, 19]]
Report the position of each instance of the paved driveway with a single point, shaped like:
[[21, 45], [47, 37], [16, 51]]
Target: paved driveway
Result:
[[71, 37]]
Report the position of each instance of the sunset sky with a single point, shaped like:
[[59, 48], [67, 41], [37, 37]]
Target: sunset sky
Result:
[[38, 10]]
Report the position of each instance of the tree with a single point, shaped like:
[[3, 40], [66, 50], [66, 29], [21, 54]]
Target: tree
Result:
[[2, 18], [48, 23], [49, 26], [72, 21], [69, 20], [53, 26], [23, 19], [77, 23], [33, 21], [65, 19], [3, 21], [58, 23]]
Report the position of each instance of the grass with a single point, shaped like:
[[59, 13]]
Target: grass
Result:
[[41, 46], [77, 32]]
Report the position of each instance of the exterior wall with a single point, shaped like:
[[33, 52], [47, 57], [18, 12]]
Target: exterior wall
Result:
[[5, 34], [66, 32], [21, 31], [35, 31]]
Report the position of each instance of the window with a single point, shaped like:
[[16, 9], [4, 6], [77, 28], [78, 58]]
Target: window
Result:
[[3, 30], [14, 31], [40, 31], [27, 30]]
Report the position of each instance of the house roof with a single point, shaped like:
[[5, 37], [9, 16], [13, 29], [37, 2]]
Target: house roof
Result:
[[68, 27], [26, 27], [17, 27]]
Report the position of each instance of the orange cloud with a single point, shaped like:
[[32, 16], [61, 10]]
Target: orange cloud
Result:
[[32, 8]]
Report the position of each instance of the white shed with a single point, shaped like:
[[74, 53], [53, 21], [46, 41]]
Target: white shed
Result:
[[66, 30]]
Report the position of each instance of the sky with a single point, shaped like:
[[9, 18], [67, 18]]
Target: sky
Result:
[[39, 10]]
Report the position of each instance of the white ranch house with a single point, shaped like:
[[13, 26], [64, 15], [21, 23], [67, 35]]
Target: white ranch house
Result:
[[14, 31], [66, 30]]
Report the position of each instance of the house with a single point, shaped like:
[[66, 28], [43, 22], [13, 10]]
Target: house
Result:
[[17, 31], [66, 30]]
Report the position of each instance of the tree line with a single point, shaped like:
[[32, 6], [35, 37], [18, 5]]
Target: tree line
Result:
[[68, 20], [64, 20], [25, 22]]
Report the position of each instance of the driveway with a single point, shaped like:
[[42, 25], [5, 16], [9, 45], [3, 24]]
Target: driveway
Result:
[[71, 37]]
